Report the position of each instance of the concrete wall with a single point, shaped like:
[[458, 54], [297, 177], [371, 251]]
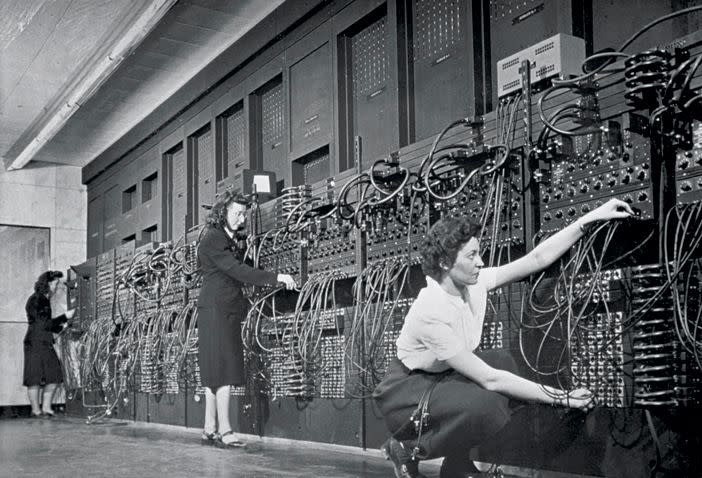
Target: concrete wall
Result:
[[41, 195]]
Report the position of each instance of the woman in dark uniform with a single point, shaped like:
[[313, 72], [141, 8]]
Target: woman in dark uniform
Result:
[[41, 364], [221, 309]]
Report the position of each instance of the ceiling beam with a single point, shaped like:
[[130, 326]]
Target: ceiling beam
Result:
[[121, 41], [212, 81]]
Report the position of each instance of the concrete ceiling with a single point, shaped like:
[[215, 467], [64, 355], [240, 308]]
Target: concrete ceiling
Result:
[[64, 93]]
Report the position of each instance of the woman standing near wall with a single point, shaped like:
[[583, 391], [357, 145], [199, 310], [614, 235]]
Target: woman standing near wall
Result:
[[221, 309], [42, 369]]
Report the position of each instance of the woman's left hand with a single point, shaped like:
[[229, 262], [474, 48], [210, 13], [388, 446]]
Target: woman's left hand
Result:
[[612, 209]]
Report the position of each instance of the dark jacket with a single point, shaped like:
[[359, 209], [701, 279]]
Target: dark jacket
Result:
[[223, 272], [41, 326]]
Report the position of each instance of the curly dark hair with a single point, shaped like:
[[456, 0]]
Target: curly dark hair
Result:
[[444, 240], [41, 286], [218, 214]]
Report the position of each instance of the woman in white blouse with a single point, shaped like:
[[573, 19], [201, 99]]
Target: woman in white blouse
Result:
[[438, 370]]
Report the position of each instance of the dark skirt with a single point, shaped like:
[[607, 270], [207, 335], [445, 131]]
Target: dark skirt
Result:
[[462, 414], [41, 364], [220, 349]]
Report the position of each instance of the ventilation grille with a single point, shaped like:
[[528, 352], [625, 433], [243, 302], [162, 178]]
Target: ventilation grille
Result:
[[510, 63], [179, 193], [204, 155], [438, 28], [544, 48], [545, 71], [272, 116], [236, 130], [317, 169], [369, 59]]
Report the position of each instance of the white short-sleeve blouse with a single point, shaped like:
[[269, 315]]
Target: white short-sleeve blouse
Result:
[[439, 325]]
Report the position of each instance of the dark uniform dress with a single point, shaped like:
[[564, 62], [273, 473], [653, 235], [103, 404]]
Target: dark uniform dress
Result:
[[41, 364], [222, 307]]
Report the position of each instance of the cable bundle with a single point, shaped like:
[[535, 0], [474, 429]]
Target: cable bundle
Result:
[[379, 308], [564, 322]]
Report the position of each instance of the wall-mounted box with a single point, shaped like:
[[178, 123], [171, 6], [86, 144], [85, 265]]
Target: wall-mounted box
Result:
[[559, 55], [515, 26]]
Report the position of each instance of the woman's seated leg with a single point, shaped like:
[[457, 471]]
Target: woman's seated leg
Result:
[[461, 415]]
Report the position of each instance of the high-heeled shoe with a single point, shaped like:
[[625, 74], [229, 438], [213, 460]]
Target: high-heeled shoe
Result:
[[403, 464], [209, 439], [227, 440], [48, 414]]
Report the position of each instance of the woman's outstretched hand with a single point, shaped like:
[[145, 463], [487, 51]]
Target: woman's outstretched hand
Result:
[[612, 209]]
